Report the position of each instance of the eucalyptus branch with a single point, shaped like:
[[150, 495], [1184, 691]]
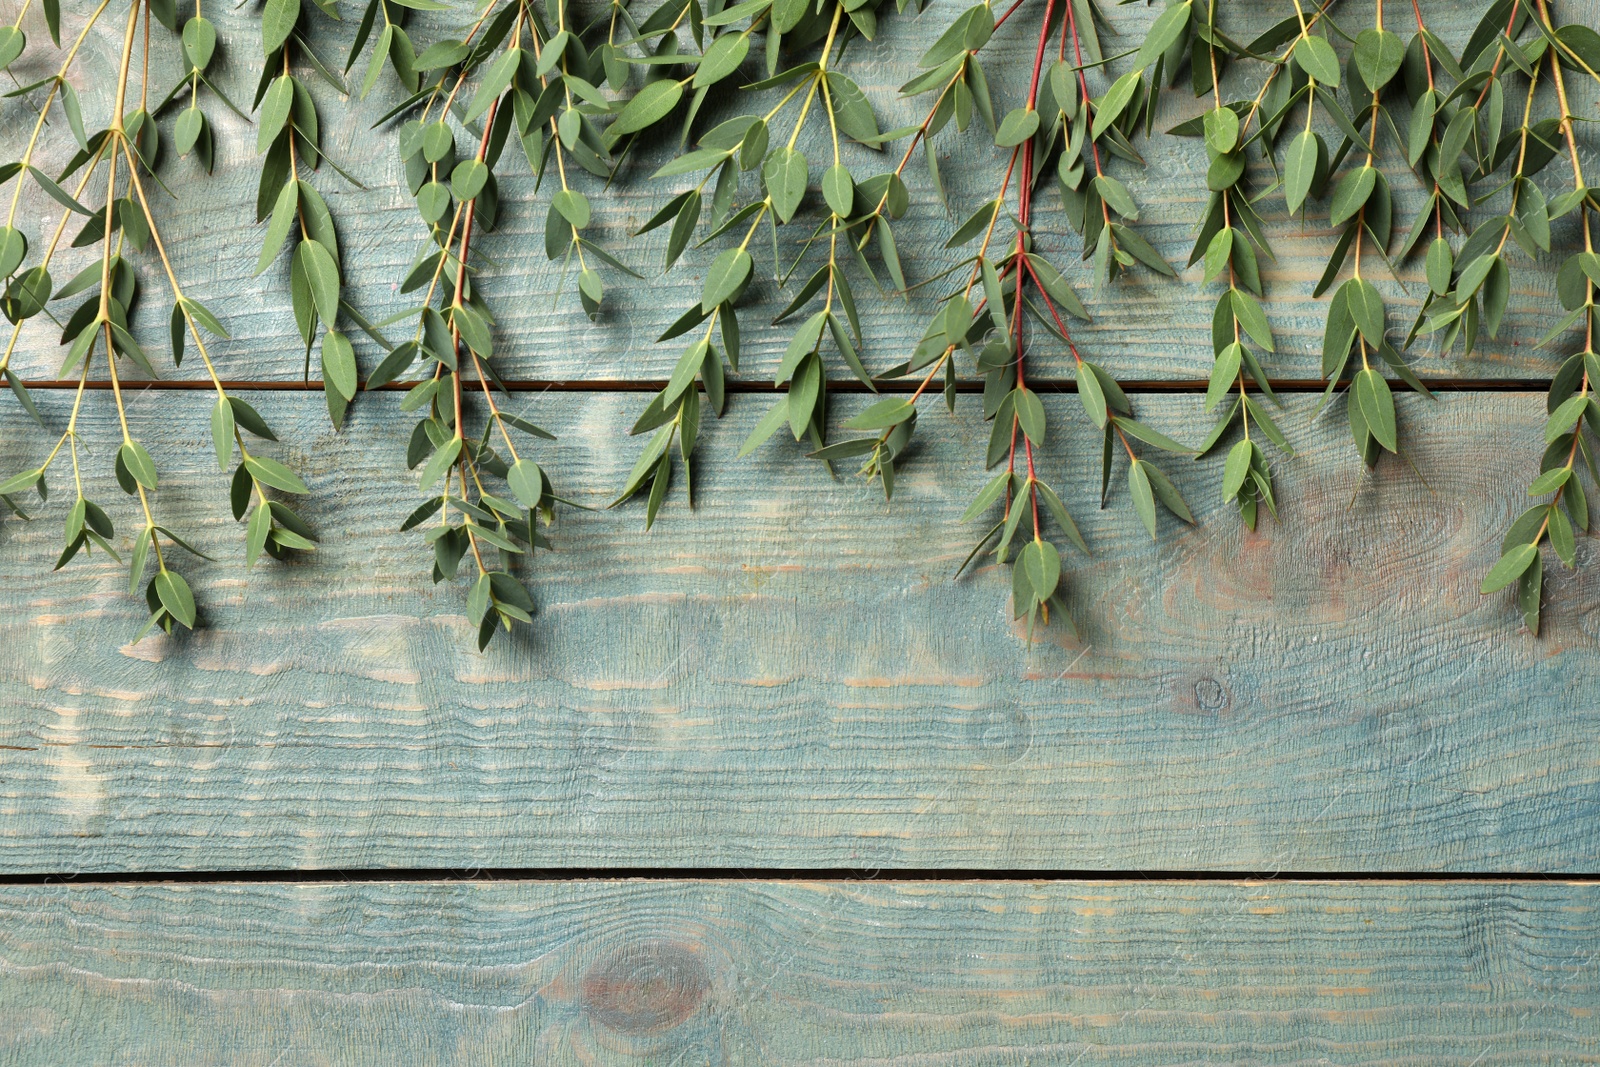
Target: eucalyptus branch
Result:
[[288, 135], [514, 59], [740, 145], [1230, 236], [1574, 417], [101, 323]]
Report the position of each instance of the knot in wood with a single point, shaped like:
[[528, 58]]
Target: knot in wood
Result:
[[646, 988]]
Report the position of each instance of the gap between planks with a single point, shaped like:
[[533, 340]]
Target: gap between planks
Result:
[[779, 874]]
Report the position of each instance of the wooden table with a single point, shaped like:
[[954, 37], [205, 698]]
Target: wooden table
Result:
[[765, 785]]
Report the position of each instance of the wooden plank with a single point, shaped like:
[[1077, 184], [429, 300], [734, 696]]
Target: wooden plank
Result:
[[1422, 975], [789, 676], [1144, 328]]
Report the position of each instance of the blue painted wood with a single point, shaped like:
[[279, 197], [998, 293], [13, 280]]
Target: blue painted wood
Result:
[[789, 676], [1145, 327], [638, 972]]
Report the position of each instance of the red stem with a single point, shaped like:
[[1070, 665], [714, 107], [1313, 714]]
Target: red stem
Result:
[[1024, 215], [1001, 21], [1083, 82]]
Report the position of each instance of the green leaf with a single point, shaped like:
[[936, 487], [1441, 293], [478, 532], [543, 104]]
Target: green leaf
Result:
[[12, 43], [473, 330], [136, 561], [1589, 263], [839, 190], [1144, 433], [1253, 319], [1236, 469], [380, 52], [437, 141], [187, 130], [1043, 563], [13, 249], [284, 213], [1516, 560], [859, 446], [271, 472], [1144, 501], [1377, 407], [1222, 129], [1317, 58], [527, 482], [1529, 587], [1114, 102], [1378, 56], [1421, 131], [199, 42], [1300, 169], [554, 49], [1091, 395], [573, 206], [339, 363], [721, 59], [277, 23], [851, 110], [883, 414], [1224, 372], [1219, 253], [683, 225], [1023, 599], [275, 108], [775, 417], [495, 81], [396, 363], [321, 273], [1366, 309], [1017, 127], [1550, 481], [801, 344], [804, 390], [1060, 291], [649, 106], [727, 275], [138, 463], [1441, 261], [58, 194], [976, 223], [175, 596], [1167, 493], [468, 179], [439, 462], [479, 599], [1115, 194], [1059, 512], [1164, 33], [222, 432], [1351, 194], [785, 174], [645, 463], [1030, 414], [1562, 538], [18, 482], [986, 496], [1566, 416], [683, 373], [1141, 249]]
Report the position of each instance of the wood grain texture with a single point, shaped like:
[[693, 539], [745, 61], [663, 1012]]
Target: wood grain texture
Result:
[[1145, 327], [1464, 975], [789, 676]]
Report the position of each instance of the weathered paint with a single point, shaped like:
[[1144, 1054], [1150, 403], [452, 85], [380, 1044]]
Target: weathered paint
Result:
[[789, 675], [696, 973]]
